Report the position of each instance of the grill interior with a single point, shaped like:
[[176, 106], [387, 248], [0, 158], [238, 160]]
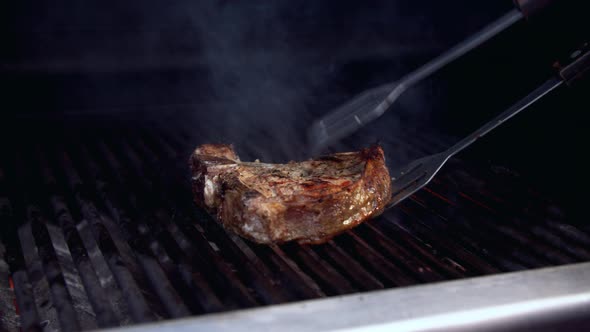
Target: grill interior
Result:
[[103, 104], [98, 229]]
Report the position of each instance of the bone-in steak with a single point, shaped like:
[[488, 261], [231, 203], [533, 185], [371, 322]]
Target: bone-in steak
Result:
[[309, 201]]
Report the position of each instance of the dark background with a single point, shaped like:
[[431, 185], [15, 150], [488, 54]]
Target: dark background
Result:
[[256, 73]]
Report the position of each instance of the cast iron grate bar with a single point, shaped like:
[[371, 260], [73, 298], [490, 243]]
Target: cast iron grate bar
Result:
[[145, 245], [8, 316], [106, 302], [510, 228], [8, 311]]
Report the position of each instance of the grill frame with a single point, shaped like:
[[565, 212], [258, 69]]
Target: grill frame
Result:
[[541, 300]]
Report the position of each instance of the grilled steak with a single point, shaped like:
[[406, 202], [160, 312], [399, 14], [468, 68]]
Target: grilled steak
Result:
[[309, 201]]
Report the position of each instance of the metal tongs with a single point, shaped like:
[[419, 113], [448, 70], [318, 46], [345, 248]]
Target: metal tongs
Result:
[[372, 104], [410, 178]]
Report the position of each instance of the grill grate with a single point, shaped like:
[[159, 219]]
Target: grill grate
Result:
[[99, 230]]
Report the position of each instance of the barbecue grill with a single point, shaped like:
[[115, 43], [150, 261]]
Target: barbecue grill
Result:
[[98, 228]]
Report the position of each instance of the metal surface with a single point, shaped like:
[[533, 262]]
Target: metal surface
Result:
[[8, 317], [419, 173], [514, 301], [373, 103]]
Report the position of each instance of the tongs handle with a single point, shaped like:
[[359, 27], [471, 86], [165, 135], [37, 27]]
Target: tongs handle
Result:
[[530, 8], [571, 73], [580, 66], [371, 104], [550, 85]]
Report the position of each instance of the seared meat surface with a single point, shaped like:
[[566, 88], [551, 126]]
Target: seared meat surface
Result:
[[309, 201]]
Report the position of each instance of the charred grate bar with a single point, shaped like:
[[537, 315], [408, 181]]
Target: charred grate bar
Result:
[[8, 314], [99, 230]]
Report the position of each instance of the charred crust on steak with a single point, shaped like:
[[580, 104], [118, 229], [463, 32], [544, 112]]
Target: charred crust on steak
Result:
[[309, 201]]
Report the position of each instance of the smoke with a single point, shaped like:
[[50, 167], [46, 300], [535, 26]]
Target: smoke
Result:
[[276, 66], [261, 83], [254, 73]]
